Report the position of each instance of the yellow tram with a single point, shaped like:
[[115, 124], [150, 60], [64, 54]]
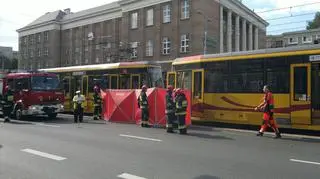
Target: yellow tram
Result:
[[226, 87], [123, 75]]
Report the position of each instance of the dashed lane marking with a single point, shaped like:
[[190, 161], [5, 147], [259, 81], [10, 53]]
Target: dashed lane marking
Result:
[[304, 161], [43, 154], [141, 138], [129, 176]]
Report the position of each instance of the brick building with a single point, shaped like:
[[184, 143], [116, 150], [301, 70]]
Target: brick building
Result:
[[139, 30]]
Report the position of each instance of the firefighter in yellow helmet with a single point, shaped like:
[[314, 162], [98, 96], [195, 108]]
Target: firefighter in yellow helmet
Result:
[[144, 106], [181, 110], [78, 105]]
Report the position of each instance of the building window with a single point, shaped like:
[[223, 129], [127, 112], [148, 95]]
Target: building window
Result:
[[97, 59], [77, 50], [46, 36], [184, 43], [39, 38], [293, 40], [166, 45], [86, 48], [39, 65], [39, 52], [46, 51], [185, 9], [134, 49], [25, 40], [108, 45], [307, 39], [149, 18], [149, 48], [166, 13], [134, 20], [86, 60], [97, 47], [31, 53]]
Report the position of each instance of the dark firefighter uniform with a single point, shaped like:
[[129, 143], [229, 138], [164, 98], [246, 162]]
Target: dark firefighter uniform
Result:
[[7, 104], [78, 105], [170, 109], [144, 106], [181, 110], [97, 104]]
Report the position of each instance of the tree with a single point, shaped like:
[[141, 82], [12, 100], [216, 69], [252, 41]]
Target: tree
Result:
[[315, 23]]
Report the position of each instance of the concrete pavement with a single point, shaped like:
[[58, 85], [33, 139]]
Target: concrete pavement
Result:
[[59, 149]]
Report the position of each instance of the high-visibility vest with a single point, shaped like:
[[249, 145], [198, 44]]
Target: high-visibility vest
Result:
[[268, 97], [78, 100], [143, 100], [181, 105], [170, 106], [97, 100]]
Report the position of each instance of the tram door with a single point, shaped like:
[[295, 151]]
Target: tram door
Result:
[[197, 92], [114, 81], [300, 93]]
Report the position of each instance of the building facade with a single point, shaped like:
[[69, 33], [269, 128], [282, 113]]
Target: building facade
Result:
[[140, 30], [296, 38]]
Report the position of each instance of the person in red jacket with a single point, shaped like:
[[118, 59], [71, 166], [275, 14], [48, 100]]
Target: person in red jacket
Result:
[[267, 106]]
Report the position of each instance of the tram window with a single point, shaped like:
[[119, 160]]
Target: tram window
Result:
[[91, 83], [197, 85], [278, 81], [135, 82], [156, 77], [171, 79], [66, 85], [246, 82], [114, 82], [184, 80], [246, 66], [124, 81], [300, 83], [85, 85], [215, 82]]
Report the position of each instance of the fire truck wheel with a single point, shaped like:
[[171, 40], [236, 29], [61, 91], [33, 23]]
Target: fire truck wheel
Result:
[[18, 114], [53, 115]]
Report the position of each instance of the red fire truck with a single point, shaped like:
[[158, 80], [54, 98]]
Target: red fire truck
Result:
[[34, 93]]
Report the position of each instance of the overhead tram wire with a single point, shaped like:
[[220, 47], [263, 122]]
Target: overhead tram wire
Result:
[[289, 7], [285, 17]]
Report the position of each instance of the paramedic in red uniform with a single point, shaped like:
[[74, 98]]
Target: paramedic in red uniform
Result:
[[267, 106]]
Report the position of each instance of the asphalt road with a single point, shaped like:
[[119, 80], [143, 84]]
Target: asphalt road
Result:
[[59, 149]]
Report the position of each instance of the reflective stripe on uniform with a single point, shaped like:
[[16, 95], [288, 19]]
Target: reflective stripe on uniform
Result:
[[144, 122], [182, 126], [181, 113], [169, 125], [169, 111]]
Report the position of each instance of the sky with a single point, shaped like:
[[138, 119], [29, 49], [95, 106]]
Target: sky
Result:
[[15, 14]]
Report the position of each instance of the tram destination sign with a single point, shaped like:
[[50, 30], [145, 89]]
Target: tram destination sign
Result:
[[314, 58]]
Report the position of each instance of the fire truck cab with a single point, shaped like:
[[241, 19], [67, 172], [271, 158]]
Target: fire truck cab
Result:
[[34, 93]]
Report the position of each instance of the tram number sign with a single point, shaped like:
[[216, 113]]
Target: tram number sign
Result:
[[314, 58]]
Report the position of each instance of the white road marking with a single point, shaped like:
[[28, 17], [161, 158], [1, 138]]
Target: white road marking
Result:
[[270, 133], [129, 176], [142, 138], [304, 161], [46, 125], [43, 154]]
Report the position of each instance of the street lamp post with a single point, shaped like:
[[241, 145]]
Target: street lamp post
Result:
[[206, 19]]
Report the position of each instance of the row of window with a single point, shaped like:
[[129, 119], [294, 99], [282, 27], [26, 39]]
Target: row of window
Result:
[[39, 51], [247, 82], [166, 46], [166, 14], [304, 39], [35, 38]]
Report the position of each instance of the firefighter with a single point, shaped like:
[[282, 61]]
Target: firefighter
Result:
[[97, 104], [267, 106], [144, 106], [78, 105], [7, 103], [170, 109], [181, 110]]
